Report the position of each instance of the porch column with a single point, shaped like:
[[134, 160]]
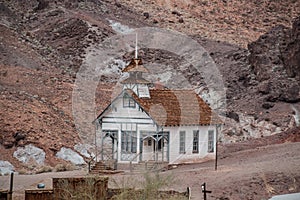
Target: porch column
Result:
[[138, 143], [163, 145], [156, 144], [96, 147], [119, 144], [102, 142]]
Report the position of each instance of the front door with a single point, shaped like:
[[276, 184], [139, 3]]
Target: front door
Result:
[[155, 146]]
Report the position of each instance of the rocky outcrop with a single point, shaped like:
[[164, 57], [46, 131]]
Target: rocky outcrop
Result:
[[247, 127], [291, 51], [265, 55], [275, 60]]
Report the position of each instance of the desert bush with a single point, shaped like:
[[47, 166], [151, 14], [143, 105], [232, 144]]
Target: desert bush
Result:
[[22, 171], [87, 188], [43, 169], [60, 167], [64, 167], [150, 187], [31, 164]]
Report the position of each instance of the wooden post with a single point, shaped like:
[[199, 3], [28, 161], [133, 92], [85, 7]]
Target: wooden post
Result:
[[216, 158], [97, 126], [130, 166], [163, 145], [189, 193], [102, 142], [204, 191], [11, 186]]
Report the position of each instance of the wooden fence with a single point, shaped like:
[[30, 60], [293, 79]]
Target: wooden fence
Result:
[[39, 194], [4, 194], [72, 188]]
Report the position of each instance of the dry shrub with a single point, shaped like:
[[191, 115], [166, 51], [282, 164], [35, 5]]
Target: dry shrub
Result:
[[31, 164], [43, 169], [64, 167], [81, 188], [22, 171], [149, 188]]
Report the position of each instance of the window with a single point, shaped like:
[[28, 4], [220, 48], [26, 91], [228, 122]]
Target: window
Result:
[[182, 142], [129, 142], [128, 102], [160, 145], [196, 141], [149, 142], [210, 141]]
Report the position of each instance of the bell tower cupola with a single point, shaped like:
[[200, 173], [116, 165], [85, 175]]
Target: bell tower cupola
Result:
[[135, 81]]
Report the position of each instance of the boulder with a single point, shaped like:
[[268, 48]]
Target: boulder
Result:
[[30, 153], [267, 105], [85, 150], [232, 115], [291, 94], [6, 167], [71, 156]]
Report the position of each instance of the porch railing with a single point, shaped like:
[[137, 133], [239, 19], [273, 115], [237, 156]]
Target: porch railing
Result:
[[106, 158]]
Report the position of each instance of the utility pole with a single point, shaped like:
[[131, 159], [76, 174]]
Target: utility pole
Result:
[[204, 191]]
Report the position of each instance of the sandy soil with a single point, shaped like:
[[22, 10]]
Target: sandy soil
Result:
[[257, 173]]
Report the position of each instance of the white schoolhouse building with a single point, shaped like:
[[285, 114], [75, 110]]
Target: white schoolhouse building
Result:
[[155, 124]]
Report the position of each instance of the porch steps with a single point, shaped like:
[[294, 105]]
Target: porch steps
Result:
[[99, 167], [148, 166]]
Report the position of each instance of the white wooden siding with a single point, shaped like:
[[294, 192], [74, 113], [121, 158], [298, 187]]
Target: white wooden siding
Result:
[[134, 119], [176, 156]]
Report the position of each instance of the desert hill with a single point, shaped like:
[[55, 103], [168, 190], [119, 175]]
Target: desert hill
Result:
[[43, 45]]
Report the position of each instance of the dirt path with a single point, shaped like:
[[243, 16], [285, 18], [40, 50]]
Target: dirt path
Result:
[[250, 174]]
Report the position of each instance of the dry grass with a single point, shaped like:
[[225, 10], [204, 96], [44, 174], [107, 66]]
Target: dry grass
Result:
[[269, 188], [64, 167], [150, 187], [43, 169]]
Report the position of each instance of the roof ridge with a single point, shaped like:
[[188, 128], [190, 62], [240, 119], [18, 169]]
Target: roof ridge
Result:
[[168, 89]]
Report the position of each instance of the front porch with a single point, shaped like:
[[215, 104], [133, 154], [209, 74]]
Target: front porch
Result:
[[127, 147]]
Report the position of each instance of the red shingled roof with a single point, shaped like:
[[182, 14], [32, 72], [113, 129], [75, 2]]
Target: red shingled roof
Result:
[[176, 107]]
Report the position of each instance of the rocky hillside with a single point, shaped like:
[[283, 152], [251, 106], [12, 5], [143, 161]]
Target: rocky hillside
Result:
[[43, 44]]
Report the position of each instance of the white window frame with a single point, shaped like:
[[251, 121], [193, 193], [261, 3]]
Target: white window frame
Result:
[[128, 101], [129, 141], [182, 136], [211, 141], [195, 141]]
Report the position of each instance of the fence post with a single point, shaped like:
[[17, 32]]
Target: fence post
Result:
[[189, 192], [204, 191], [130, 166], [11, 186]]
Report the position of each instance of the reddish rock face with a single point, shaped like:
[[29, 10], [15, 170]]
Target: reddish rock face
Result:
[[275, 59], [291, 53], [277, 50], [265, 53]]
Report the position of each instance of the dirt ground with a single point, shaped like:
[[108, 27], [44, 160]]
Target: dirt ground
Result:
[[256, 173]]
